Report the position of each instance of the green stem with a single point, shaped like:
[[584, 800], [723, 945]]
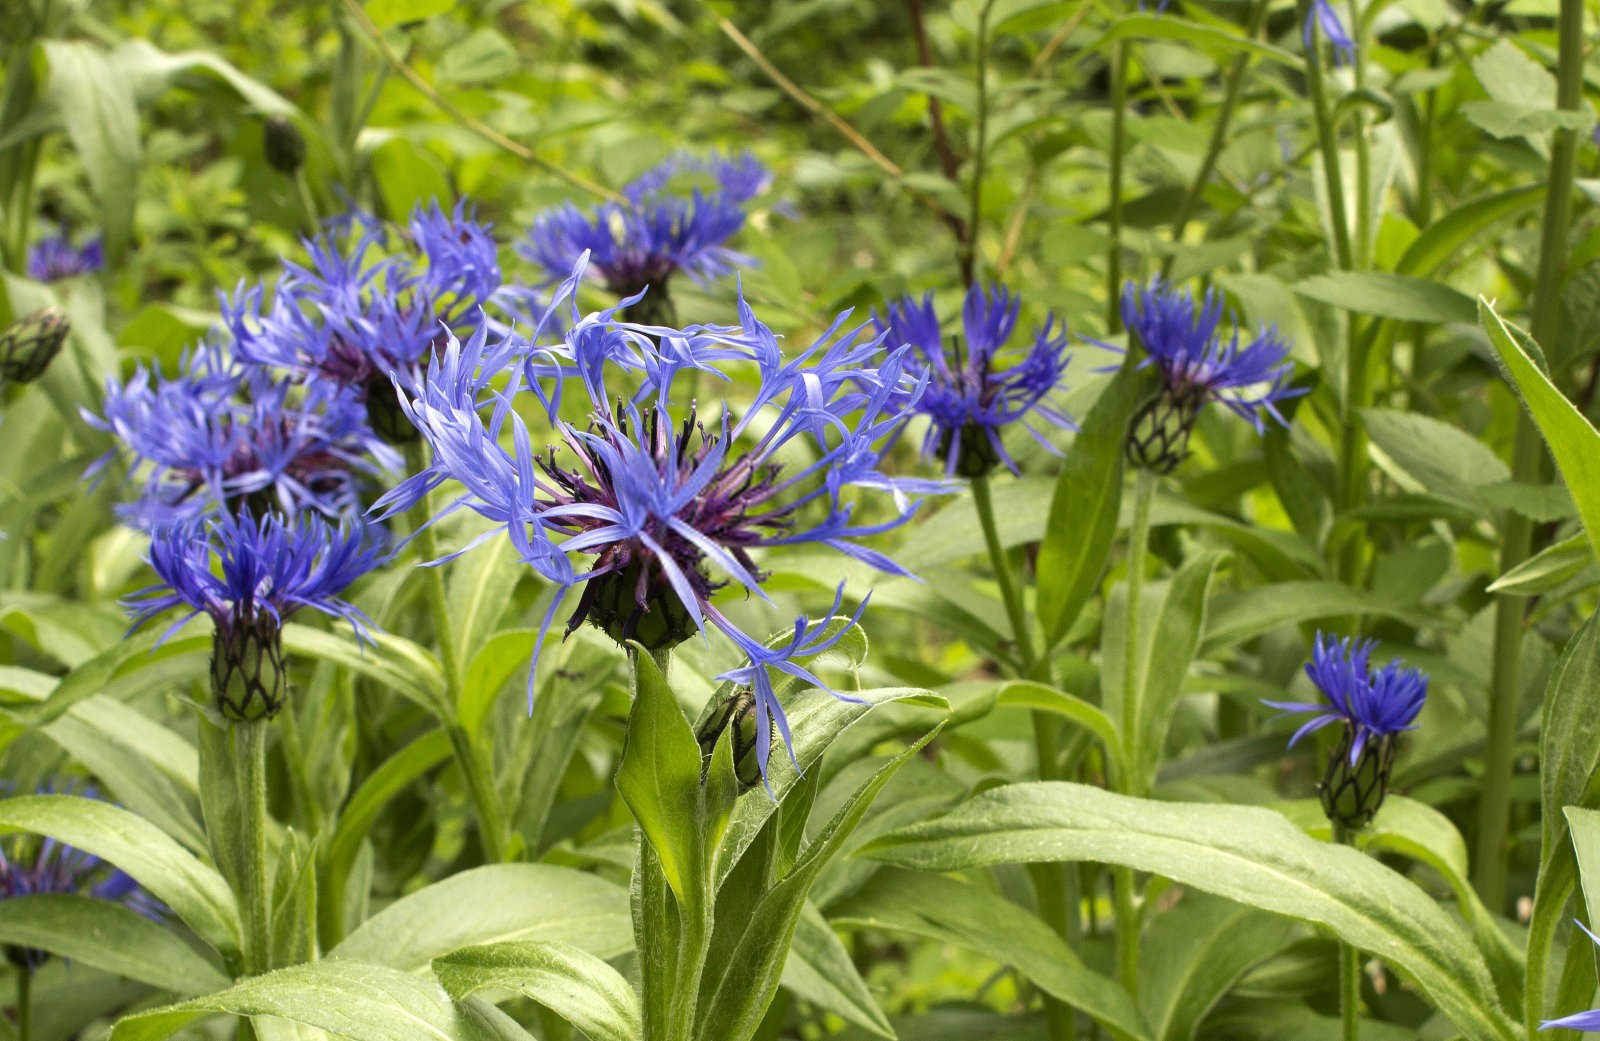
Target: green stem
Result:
[[479, 778], [1363, 245], [1528, 465], [1349, 967], [983, 503], [980, 152], [307, 202], [1328, 146], [249, 754], [24, 1003], [1119, 105], [1233, 86], [1055, 885]]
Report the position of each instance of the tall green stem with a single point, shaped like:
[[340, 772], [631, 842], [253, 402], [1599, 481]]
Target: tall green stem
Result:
[[1362, 256], [980, 152], [249, 755], [1010, 592], [1119, 130], [1527, 465], [1349, 967], [1233, 86], [477, 773], [24, 1003], [1328, 146]]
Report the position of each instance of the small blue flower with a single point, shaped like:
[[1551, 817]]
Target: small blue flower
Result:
[[53, 259], [1373, 705], [969, 399], [653, 233], [652, 508], [226, 434], [1200, 363], [36, 865], [1586, 1021], [1322, 14], [237, 569]]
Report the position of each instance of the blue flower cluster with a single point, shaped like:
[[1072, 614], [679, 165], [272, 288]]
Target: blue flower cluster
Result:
[[639, 243], [970, 400], [1373, 706], [653, 506], [56, 258]]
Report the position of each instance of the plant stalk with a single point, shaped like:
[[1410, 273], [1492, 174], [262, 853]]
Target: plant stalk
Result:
[[24, 1003], [249, 755], [980, 151], [1010, 592], [1349, 966], [1119, 130], [1527, 465]]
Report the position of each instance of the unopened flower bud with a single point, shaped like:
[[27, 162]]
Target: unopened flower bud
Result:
[[285, 148], [1352, 792], [248, 678], [29, 345], [654, 308], [737, 713], [976, 456], [637, 603], [1158, 437], [384, 414]]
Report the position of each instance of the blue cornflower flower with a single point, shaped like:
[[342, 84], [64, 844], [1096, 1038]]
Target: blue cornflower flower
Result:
[[969, 401], [53, 259], [33, 865], [250, 576], [1374, 706], [1322, 14], [649, 504], [359, 315], [1198, 363], [640, 242], [1586, 1021], [231, 435]]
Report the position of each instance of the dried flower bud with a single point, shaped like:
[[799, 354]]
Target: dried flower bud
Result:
[[285, 148], [29, 345]]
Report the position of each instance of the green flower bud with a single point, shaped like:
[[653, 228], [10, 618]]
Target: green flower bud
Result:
[[738, 713], [1352, 794], [384, 414], [977, 455], [29, 345], [248, 678], [637, 603], [1158, 437], [284, 146]]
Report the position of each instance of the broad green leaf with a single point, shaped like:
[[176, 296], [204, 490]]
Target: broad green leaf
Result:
[[124, 663], [1569, 734], [109, 937], [659, 779], [1194, 953], [97, 107], [735, 992], [1172, 616], [1574, 443], [1503, 119], [1388, 295], [1166, 27], [1083, 511], [1251, 855], [481, 583], [1546, 569], [346, 998], [393, 661], [194, 892], [951, 912], [819, 970], [1585, 827], [151, 69], [1463, 224], [1039, 698], [1237, 617], [493, 904], [1442, 458], [574, 984]]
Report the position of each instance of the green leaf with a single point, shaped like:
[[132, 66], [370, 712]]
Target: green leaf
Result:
[[1237, 617], [195, 892], [97, 107], [1569, 732], [1388, 295], [1037, 697], [659, 779], [481, 584], [733, 1000], [152, 69], [1585, 827], [1194, 953], [386, 14], [109, 937], [1251, 855], [493, 904], [1464, 224], [1503, 119], [351, 999], [819, 970], [979, 920], [1442, 458], [1572, 440], [393, 661], [1166, 27], [1083, 511], [1172, 617], [572, 983], [1546, 569]]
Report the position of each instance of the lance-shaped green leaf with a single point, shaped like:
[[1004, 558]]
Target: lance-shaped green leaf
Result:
[[107, 936], [820, 971], [983, 921], [346, 998], [195, 892], [392, 661], [574, 984], [1083, 511], [1251, 855], [1573, 442], [735, 991], [102, 121]]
